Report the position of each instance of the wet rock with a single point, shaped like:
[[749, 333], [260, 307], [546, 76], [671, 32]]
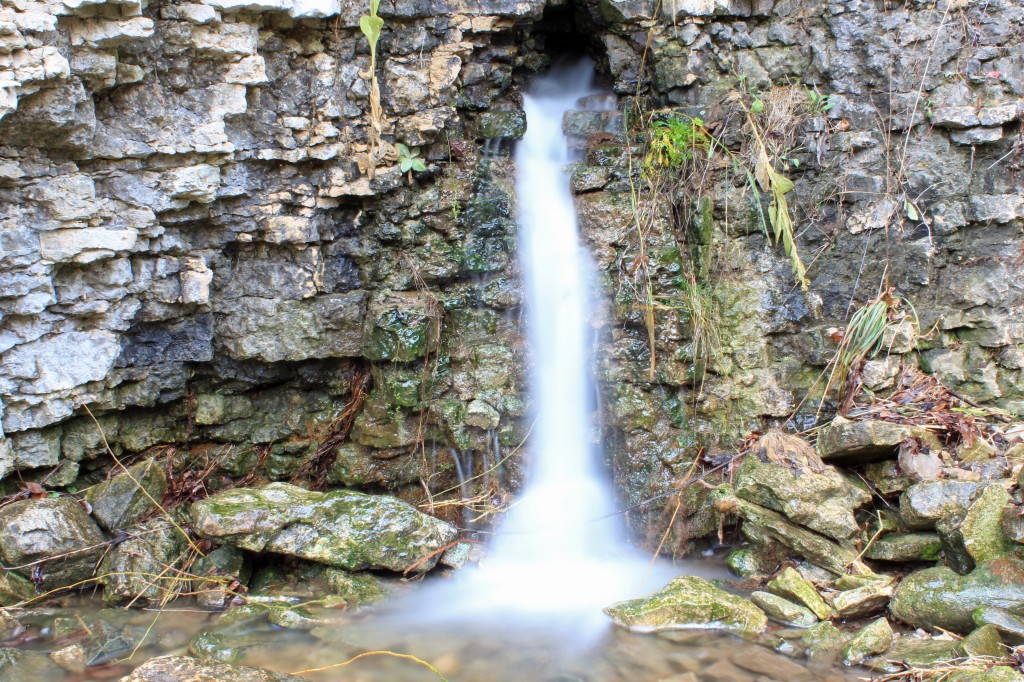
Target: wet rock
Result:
[[749, 563], [953, 549], [9, 627], [849, 441], [14, 588], [905, 547], [816, 548], [71, 658], [222, 647], [1013, 523], [940, 598], [498, 125], [984, 641], [168, 668], [887, 477], [982, 528], [782, 610], [689, 602], [103, 635], [872, 639], [824, 640], [865, 600], [481, 415], [19, 664], [1011, 626], [999, 673], [215, 573], [922, 504], [310, 582], [820, 500], [759, 661], [793, 586], [55, 531], [346, 529], [143, 570]]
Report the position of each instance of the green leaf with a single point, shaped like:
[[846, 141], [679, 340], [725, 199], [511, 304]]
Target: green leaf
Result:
[[403, 151], [405, 164], [757, 106], [414, 153], [911, 210], [371, 27], [418, 165], [374, 6]]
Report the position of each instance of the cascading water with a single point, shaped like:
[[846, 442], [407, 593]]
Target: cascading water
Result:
[[556, 550]]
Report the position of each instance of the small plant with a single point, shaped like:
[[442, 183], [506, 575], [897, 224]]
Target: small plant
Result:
[[817, 103], [675, 141], [371, 26], [409, 159]]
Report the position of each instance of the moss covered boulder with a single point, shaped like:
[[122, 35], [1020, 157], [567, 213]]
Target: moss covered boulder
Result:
[[346, 529], [874, 638], [51, 536], [940, 598], [923, 504], [689, 602], [822, 500], [854, 442]]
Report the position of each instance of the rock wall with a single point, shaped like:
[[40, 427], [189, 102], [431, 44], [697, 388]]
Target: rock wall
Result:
[[192, 248]]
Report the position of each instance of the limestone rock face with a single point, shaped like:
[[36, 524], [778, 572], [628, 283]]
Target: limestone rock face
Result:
[[346, 529], [53, 534], [689, 602]]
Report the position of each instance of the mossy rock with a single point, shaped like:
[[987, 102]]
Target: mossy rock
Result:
[[689, 602], [346, 529], [144, 569], [1010, 625], [874, 638], [54, 530], [823, 500], [793, 586], [940, 598], [185, 668], [903, 547], [120, 501], [923, 504], [499, 125], [782, 610]]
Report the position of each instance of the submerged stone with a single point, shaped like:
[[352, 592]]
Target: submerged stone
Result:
[[905, 547], [940, 598], [783, 611], [346, 529], [119, 502], [19, 664], [823, 500], [689, 602], [824, 640], [168, 668], [52, 537], [793, 586], [874, 638]]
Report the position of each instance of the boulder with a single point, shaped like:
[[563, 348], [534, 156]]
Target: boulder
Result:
[[874, 638], [346, 529], [925, 503], [167, 668], [52, 537], [122, 500], [940, 598], [689, 602], [822, 500], [982, 526], [143, 570], [857, 442], [1011, 626]]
